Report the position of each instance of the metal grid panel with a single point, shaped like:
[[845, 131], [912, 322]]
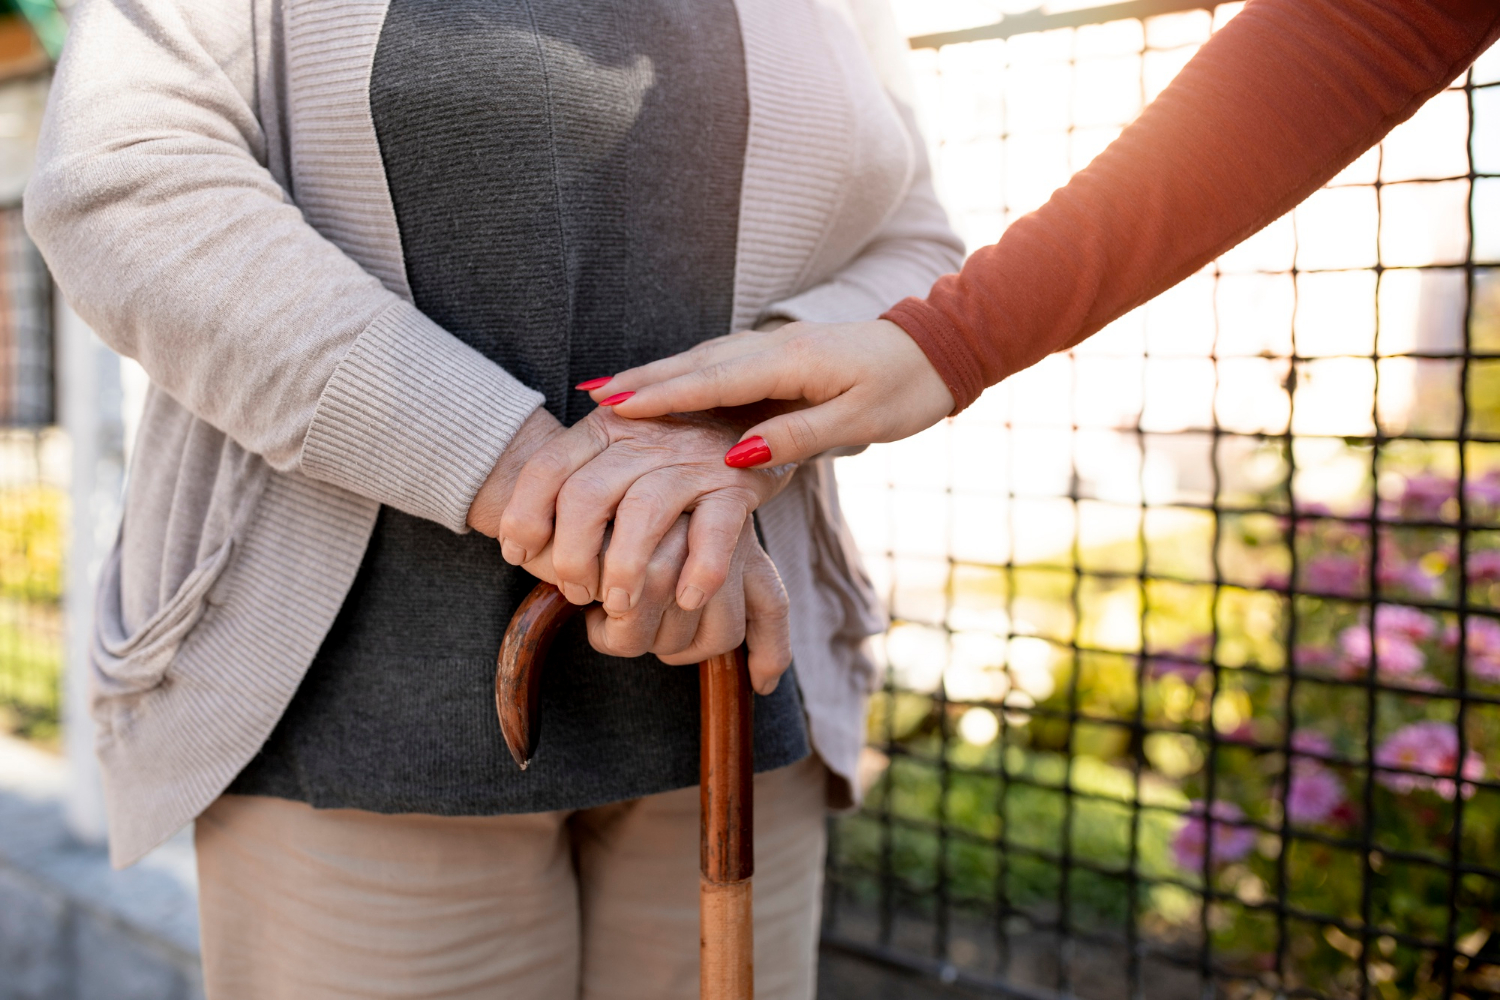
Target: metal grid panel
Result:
[[1194, 625], [33, 500]]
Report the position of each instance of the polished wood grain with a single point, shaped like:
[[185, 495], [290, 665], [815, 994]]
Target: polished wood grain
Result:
[[726, 850], [726, 941], [518, 671], [727, 768]]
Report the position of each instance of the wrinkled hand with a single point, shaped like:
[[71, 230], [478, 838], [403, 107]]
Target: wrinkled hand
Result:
[[752, 608], [862, 383], [642, 474]]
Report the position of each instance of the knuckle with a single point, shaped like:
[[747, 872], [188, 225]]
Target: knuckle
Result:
[[548, 463], [523, 527], [775, 607], [718, 374], [661, 583], [582, 489], [673, 644], [625, 639], [643, 504], [800, 432]]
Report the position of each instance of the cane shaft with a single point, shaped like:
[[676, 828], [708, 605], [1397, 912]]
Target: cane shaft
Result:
[[727, 850], [726, 941], [727, 769]]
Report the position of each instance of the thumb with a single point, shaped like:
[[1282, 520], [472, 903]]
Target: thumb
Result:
[[767, 629], [799, 435]]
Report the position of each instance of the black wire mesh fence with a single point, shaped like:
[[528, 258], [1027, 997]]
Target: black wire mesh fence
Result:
[[1193, 682], [33, 495]]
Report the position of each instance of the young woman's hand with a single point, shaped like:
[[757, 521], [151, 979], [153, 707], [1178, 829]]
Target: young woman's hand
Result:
[[640, 474], [751, 607], [856, 383]]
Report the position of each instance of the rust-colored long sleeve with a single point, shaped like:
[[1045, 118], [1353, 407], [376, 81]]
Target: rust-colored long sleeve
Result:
[[1277, 102]]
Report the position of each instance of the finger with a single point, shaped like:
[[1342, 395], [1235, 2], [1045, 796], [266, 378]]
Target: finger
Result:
[[803, 434], [713, 537], [677, 630], [540, 565], [731, 381], [636, 632], [526, 524], [586, 504], [644, 515], [708, 352], [721, 628], [627, 636], [767, 621]]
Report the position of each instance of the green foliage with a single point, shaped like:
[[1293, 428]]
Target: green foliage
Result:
[[1188, 660], [31, 562]]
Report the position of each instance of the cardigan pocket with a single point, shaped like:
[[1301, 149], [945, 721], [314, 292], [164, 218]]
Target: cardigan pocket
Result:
[[130, 663]]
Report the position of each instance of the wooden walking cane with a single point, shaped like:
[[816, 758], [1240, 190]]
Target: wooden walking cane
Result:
[[726, 854]]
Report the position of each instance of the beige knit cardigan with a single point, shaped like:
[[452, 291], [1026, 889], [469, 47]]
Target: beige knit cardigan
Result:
[[210, 196]]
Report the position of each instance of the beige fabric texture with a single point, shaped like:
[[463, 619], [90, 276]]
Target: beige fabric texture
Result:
[[210, 197], [600, 904]]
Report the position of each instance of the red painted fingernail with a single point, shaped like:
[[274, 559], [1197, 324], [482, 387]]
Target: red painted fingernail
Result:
[[751, 451], [616, 399], [595, 383]]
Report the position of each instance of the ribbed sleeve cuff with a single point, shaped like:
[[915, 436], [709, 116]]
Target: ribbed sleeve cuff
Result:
[[944, 345], [415, 418]]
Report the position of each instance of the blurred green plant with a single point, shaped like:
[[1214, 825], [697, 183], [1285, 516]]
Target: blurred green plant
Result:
[[32, 523], [984, 812]]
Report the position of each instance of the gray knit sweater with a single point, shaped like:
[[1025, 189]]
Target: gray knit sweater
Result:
[[566, 178], [210, 195]]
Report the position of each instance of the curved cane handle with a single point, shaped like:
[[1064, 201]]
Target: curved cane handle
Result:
[[518, 670]]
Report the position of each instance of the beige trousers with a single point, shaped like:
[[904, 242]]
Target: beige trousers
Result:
[[600, 904]]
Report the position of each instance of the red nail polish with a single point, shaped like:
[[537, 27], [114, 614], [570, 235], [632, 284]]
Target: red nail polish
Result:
[[594, 383], [751, 451], [616, 399]]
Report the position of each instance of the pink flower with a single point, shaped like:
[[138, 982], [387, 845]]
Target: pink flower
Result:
[[1315, 795], [1425, 496], [1243, 733], [1343, 576], [1485, 490], [1310, 741], [1230, 842], [1393, 571], [1408, 623], [1484, 646], [1430, 748], [1395, 655], [1484, 567], [1180, 661], [1189, 672], [1316, 657]]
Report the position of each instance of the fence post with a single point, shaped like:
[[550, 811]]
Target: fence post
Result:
[[91, 411]]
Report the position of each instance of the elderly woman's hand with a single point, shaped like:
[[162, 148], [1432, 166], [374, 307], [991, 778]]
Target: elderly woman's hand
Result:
[[752, 608], [642, 474]]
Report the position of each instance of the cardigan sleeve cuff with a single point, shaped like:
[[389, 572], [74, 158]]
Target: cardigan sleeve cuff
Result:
[[415, 418], [945, 346]]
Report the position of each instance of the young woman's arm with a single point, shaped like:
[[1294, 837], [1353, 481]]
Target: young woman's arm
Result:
[[1280, 100]]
